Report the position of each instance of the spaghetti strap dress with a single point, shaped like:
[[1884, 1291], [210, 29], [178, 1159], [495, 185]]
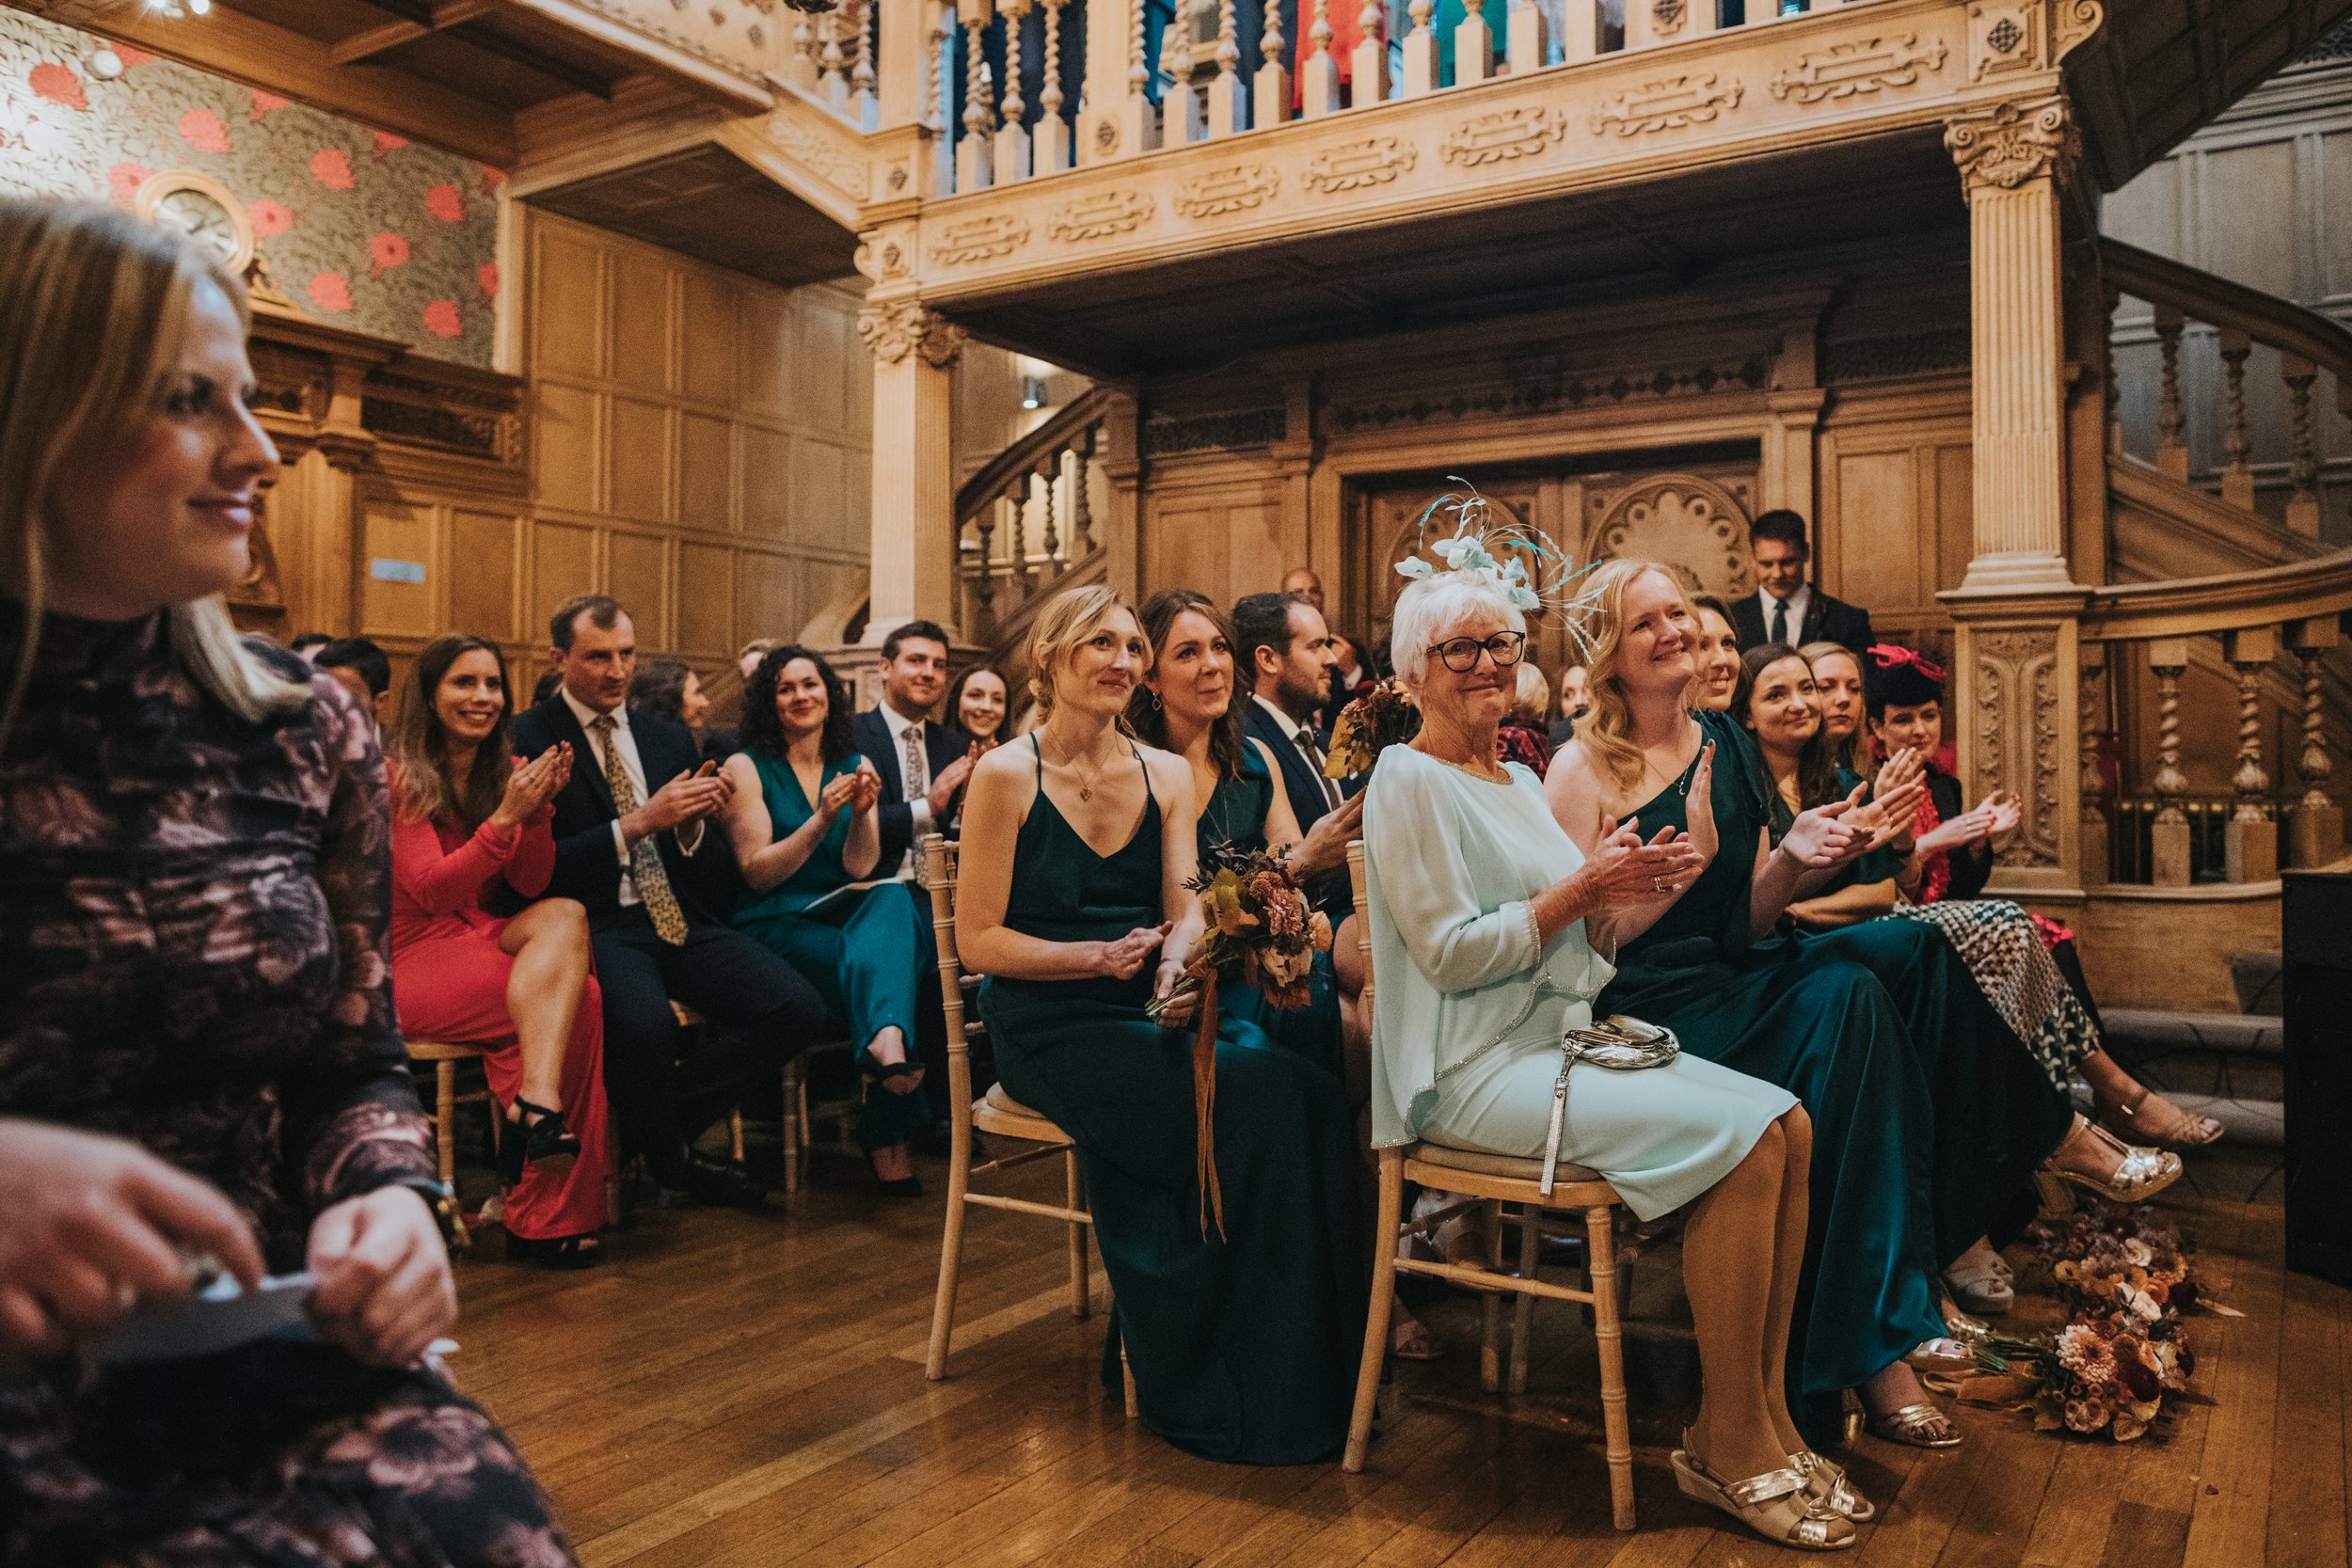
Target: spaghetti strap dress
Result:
[[1827, 1031], [1235, 815], [1243, 1347]]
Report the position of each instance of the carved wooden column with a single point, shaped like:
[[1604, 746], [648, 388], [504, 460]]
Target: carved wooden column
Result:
[[2315, 826], [2015, 160], [2252, 834], [2017, 611], [2172, 423], [2302, 453], [2169, 838], [912, 570]]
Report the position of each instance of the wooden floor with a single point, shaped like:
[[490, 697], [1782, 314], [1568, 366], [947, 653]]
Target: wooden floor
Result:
[[748, 1389]]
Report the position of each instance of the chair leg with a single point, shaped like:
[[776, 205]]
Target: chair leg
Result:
[[1490, 1331], [735, 1133], [950, 1255], [792, 1130], [1073, 1190], [1383, 1307], [1600, 1230], [1523, 1310], [445, 1119], [1127, 1376]]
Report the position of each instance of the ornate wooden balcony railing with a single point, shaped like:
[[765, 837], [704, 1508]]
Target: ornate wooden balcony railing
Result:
[[1026, 524]]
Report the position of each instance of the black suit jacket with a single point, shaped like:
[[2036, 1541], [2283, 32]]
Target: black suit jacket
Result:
[[587, 866], [943, 744], [1826, 619], [1331, 893]]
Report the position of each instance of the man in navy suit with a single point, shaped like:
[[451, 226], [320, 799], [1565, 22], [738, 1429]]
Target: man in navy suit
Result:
[[1282, 651], [638, 804], [1785, 608]]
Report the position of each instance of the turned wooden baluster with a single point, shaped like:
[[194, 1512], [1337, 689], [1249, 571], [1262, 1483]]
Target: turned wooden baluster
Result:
[[1369, 69], [937, 32], [1421, 50], [862, 103], [2171, 423], [2315, 826], [1013, 135], [1052, 132], [832, 77], [1474, 45], [1139, 125], [1229, 101], [2302, 453], [1319, 83], [1018, 493], [1179, 105], [2237, 475], [1527, 43], [976, 160], [2168, 836], [1270, 90], [2106, 369], [2252, 834], [1080, 495], [801, 68], [2092, 717], [986, 523]]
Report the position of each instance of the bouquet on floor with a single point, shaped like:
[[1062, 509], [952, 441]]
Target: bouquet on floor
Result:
[[1260, 932], [2110, 1260], [1380, 718], [2109, 1374]]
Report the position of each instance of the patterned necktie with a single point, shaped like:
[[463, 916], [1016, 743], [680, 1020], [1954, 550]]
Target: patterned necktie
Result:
[[1780, 619], [1314, 760], [917, 766], [645, 858]]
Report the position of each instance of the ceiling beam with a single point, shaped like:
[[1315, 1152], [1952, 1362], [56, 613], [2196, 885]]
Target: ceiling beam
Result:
[[277, 60], [369, 42]]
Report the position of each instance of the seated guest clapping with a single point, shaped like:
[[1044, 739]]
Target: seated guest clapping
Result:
[[803, 822], [1486, 922], [625, 822], [464, 815], [1076, 847], [1715, 650]]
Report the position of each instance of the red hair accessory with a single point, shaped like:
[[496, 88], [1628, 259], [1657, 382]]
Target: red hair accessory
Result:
[[1891, 656]]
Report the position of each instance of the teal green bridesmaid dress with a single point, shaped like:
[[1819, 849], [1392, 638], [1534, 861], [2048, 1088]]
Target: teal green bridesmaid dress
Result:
[[1235, 814], [1243, 1347], [868, 951]]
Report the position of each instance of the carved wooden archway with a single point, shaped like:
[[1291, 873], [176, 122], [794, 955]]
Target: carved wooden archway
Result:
[[1688, 522]]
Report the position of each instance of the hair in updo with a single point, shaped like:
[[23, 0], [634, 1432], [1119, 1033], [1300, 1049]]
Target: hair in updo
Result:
[[1433, 606], [1068, 618]]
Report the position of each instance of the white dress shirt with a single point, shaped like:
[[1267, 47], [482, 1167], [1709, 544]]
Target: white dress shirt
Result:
[[1291, 729], [634, 766], [1798, 603], [914, 790]]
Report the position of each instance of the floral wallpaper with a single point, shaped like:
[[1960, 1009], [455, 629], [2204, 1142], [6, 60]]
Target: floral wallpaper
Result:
[[360, 227]]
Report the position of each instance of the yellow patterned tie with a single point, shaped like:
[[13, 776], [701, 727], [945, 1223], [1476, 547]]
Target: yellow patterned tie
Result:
[[644, 859]]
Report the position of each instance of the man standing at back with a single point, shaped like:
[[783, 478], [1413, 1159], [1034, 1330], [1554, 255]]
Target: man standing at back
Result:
[[639, 803], [1282, 651], [1785, 607]]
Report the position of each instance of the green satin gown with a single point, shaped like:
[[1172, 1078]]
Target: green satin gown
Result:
[[1827, 1031], [1245, 1347]]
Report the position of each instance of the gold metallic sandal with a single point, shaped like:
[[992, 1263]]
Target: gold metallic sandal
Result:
[[2139, 1175], [2151, 1116], [1910, 1426], [1825, 1482], [1774, 1504]]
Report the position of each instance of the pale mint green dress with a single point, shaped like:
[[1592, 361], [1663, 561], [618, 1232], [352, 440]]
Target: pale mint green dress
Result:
[[1453, 861]]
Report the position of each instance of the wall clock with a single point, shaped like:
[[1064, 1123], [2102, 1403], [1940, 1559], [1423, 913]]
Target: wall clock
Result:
[[201, 208]]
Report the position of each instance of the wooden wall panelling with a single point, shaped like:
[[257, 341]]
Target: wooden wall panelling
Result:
[[1220, 526], [1897, 501]]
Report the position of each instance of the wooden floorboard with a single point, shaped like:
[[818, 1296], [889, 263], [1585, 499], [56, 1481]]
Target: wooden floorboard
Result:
[[746, 1392]]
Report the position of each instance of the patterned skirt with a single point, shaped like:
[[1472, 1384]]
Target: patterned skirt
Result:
[[2005, 952]]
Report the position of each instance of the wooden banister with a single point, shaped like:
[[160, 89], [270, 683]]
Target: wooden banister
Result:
[[2229, 601], [2234, 307], [989, 480]]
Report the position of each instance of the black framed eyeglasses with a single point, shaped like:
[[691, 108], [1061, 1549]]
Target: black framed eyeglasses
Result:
[[1461, 653]]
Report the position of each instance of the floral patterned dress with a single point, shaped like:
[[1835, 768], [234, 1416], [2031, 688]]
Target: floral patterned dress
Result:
[[193, 907]]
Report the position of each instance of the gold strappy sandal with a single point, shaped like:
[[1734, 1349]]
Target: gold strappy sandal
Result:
[[1774, 1504], [1825, 1482], [1910, 1425], [2141, 1173], [2146, 1117]]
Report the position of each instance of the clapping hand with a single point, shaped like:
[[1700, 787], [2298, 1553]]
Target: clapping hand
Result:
[[1821, 839], [838, 797], [2006, 810], [868, 789], [1892, 817], [1625, 870], [1699, 806], [530, 785], [689, 798], [942, 791], [1125, 959]]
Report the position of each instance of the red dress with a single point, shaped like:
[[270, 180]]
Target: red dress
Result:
[[449, 982]]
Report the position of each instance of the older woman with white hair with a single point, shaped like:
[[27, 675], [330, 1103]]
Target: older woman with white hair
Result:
[[1490, 930]]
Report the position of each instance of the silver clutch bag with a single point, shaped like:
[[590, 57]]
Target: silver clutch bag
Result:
[[1619, 1043]]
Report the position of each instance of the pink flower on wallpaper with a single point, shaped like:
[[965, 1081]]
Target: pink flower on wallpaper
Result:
[[58, 85], [447, 203], [492, 178], [330, 291], [442, 321], [332, 168], [488, 276], [202, 130], [269, 217], [124, 180], [268, 103], [387, 251], [386, 142]]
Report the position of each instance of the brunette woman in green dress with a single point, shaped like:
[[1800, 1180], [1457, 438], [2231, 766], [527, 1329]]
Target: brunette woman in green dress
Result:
[[1077, 843]]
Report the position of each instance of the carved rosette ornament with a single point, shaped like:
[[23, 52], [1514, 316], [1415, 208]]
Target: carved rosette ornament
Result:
[[893, 331], [2005, 145]]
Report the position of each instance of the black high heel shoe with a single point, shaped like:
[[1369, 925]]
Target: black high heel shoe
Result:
[[536, 1138], [883, 1074]]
